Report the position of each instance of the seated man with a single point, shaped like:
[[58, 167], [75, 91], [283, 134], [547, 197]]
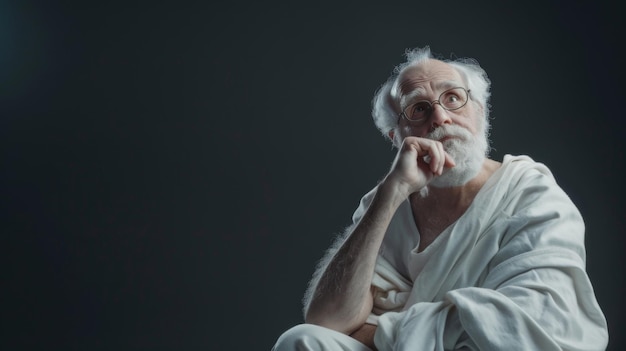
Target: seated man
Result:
[[452, 250]]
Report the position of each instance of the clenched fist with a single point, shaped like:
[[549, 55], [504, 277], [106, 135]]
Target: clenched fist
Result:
[[417, 162]]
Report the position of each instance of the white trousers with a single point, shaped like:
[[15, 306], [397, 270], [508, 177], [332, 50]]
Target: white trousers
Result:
[[309, 337]]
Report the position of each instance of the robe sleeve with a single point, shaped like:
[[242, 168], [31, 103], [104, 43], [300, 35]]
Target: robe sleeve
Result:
[[536, 294]]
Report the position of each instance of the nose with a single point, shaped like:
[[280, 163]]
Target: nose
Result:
[[439, 116]]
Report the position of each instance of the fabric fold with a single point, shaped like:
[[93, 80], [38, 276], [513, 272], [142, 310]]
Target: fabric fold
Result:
[[509, 274], [391, 290]]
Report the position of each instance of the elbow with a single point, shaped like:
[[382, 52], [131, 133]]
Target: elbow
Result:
[[338, 325], [337, 319], [324, 318]]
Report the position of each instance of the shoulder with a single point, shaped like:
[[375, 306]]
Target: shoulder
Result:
[[521, 165], [519, 173], [538, 212], [526, 186]]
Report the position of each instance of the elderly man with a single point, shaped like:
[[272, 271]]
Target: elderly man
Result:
[[452, 250]]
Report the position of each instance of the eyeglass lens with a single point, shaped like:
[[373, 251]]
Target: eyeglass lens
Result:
[[450, 99]]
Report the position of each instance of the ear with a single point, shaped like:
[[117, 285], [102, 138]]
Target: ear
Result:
[[392, 136]]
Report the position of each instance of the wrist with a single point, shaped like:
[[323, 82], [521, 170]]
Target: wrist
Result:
[[394, 191]]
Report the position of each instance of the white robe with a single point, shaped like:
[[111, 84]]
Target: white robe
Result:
[[508, 275]]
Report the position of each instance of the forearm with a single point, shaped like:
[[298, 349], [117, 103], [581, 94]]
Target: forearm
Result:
[[342, 299]]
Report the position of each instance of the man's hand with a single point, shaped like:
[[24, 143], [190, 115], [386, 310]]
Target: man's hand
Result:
[[365, 335], [417, 162]]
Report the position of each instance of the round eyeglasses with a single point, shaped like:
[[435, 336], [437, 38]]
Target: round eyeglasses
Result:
[[451, 99]]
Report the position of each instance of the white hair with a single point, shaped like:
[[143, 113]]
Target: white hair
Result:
[[386, 110]]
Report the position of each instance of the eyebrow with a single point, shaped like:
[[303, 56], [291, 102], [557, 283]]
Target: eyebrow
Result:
[[448, 84]]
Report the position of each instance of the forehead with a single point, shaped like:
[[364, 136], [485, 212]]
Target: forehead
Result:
[[430, 75]]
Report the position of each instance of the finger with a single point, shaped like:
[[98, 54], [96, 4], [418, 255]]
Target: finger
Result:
[[433, 155], [449, 161], [421, 145], [442, 159], [437, 157], [430, 152]]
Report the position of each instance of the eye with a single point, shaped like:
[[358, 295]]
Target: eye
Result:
[[418, 110], [451, 97], [421, 106]]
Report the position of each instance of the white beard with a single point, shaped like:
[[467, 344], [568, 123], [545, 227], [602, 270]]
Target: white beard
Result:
[[468, 152]]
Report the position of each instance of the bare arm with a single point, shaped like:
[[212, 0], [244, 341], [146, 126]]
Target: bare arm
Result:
[[342, 299], [365, 335]]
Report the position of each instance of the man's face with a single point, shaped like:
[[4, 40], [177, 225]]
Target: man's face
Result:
[[426, 81], [462, 131]]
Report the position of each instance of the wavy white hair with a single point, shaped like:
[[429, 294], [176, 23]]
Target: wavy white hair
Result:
[[385, 109]]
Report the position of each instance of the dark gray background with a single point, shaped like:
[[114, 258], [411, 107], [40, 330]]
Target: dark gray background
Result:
[[171, 172]]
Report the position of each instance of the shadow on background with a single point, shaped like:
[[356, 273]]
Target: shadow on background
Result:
[[172, 172]]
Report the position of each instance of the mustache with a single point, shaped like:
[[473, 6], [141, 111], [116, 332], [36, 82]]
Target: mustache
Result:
[[450, 131]]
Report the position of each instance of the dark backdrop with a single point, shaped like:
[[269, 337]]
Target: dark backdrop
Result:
[[171, 172]]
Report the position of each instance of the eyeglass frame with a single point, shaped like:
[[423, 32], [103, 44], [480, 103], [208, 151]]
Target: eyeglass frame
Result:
[[432, 104]]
